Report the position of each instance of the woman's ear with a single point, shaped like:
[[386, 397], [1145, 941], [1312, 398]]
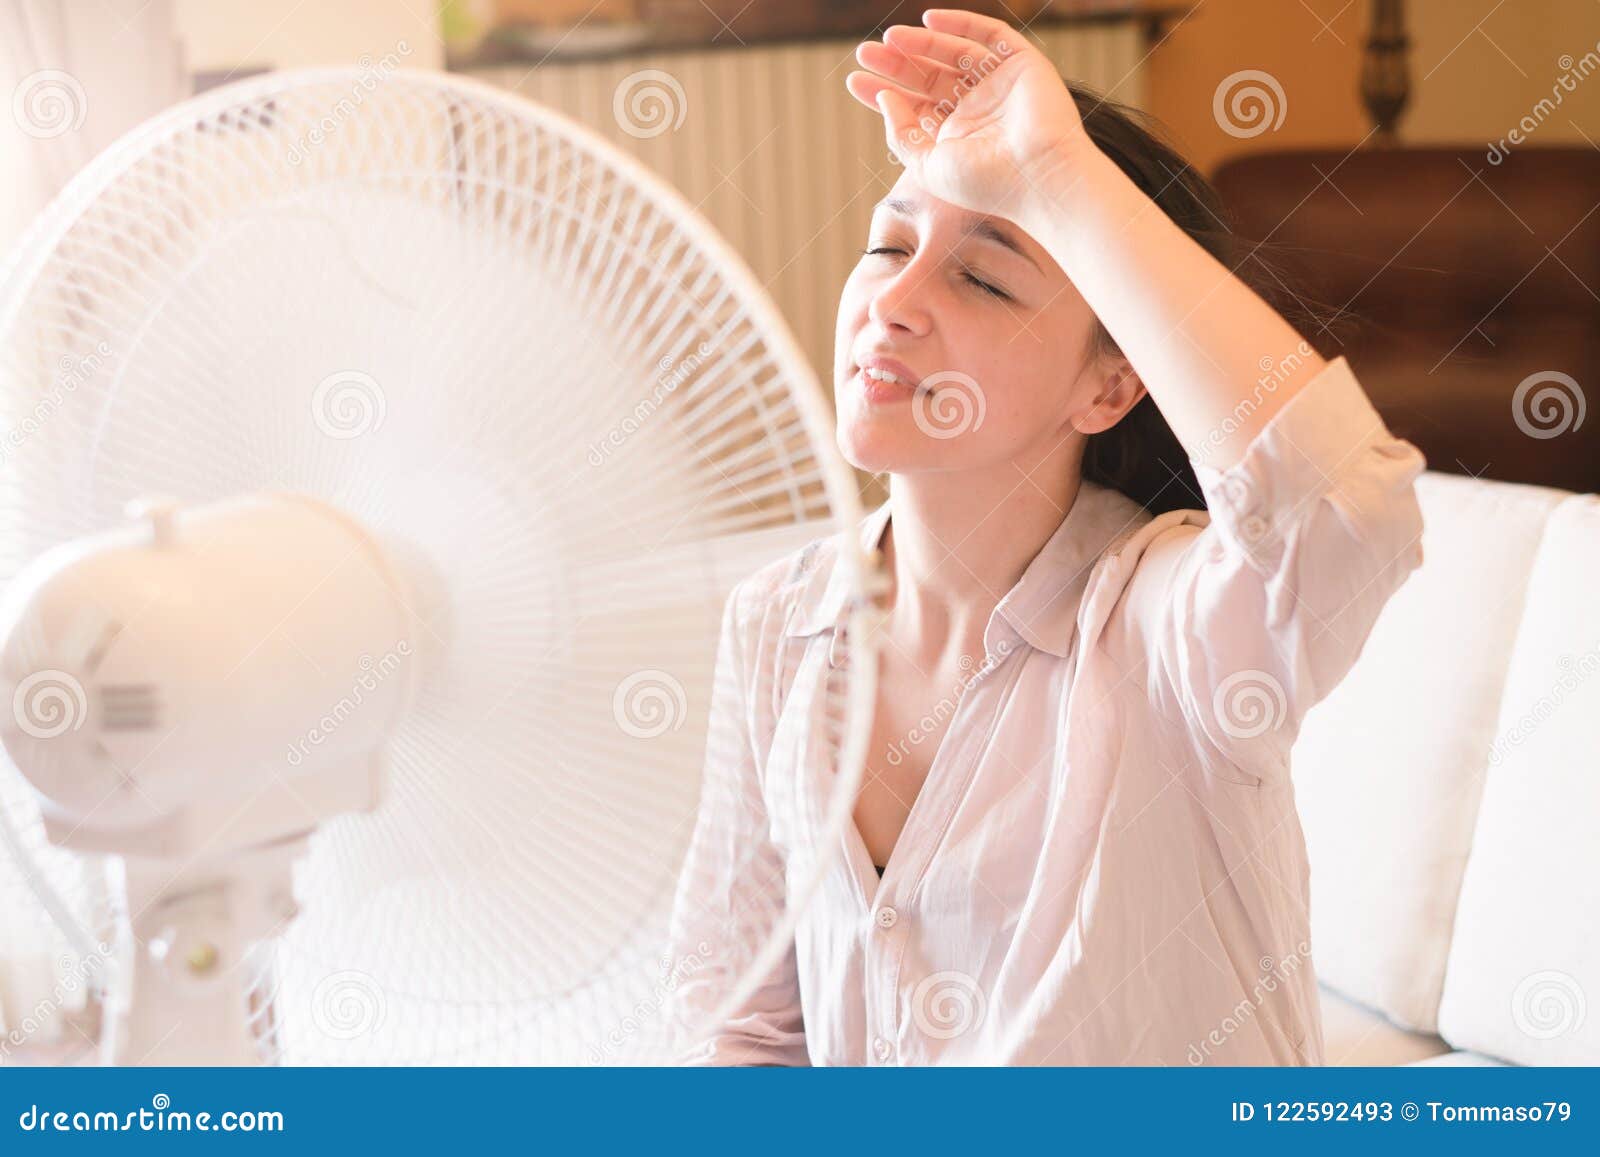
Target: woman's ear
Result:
[[1113, 388]]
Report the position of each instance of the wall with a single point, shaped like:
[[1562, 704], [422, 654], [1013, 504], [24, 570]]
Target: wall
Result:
[[1477, 67], [221, 34]]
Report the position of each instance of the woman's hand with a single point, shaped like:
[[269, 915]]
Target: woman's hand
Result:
[[971, 108]]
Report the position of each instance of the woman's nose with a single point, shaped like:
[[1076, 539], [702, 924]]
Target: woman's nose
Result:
[[902, 300]]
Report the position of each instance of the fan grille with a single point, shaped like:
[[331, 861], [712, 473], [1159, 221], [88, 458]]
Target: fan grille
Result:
[[521, 363]]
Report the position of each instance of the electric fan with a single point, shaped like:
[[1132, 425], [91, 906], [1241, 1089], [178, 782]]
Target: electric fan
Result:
[[379, 454]]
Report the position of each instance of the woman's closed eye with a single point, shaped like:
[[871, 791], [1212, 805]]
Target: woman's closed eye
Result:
[[967, 275]]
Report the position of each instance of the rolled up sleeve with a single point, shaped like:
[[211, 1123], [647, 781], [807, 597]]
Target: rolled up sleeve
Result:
[[1254, 617], [731, 892]]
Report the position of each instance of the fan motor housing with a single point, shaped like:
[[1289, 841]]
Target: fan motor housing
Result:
[[203, 655]]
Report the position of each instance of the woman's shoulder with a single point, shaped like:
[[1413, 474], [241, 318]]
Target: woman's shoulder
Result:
[[1136, 558], [791, 589], [1139, 529]]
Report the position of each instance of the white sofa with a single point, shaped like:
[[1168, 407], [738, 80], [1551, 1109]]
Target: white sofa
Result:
[[1450, 793]]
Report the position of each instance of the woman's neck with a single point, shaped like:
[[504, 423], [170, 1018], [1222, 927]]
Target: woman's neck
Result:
[[957, 541]]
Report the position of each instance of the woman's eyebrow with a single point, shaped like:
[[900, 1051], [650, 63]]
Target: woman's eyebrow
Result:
[[981, 228], [988, 231]]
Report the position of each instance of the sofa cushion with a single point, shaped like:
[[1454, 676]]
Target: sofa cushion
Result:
[[1388, 768], [1355, 1035], [1523, 981], [1461, 1060]]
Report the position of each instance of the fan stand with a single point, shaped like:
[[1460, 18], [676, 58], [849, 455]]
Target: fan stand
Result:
[[202, 888]]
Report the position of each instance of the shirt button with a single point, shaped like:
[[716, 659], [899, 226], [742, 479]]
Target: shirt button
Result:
[[880, 1048], [1253, 527], [887, 917], [1236, 490]]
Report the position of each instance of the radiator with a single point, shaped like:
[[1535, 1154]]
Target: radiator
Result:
[[769, 146]]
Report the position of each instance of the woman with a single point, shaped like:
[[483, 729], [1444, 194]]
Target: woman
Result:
[[1094, 857]]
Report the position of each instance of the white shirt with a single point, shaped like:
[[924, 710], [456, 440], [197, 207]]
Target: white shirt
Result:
[[1104, 865]]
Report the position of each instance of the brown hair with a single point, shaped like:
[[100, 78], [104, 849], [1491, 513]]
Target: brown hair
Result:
[[1141, 456]]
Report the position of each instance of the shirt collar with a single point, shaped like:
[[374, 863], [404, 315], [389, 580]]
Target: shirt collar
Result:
[[1042, 607]]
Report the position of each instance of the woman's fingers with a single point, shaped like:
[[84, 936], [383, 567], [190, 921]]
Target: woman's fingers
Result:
[[865, 87], [955, 52], [902, 111], [900, 122], [914, 73], [995, 35]]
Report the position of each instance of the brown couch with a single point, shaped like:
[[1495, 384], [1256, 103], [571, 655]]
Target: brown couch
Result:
[[1470, 279]]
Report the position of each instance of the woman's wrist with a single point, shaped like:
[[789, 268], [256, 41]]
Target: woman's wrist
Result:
[[1069, 194]]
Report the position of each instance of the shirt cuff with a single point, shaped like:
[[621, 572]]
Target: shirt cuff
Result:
[[1323, 431]]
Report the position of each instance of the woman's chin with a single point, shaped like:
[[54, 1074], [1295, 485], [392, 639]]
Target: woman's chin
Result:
[[878, 449]]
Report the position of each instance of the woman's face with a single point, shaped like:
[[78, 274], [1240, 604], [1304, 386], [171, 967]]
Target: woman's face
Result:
[[987, 334]]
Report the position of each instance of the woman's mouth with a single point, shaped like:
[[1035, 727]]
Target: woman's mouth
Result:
[[886, 383]]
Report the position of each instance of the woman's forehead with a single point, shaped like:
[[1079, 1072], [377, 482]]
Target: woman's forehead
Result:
[[908, 199]]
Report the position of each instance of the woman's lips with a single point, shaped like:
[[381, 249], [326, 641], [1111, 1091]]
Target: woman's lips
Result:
[[880, 392]]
